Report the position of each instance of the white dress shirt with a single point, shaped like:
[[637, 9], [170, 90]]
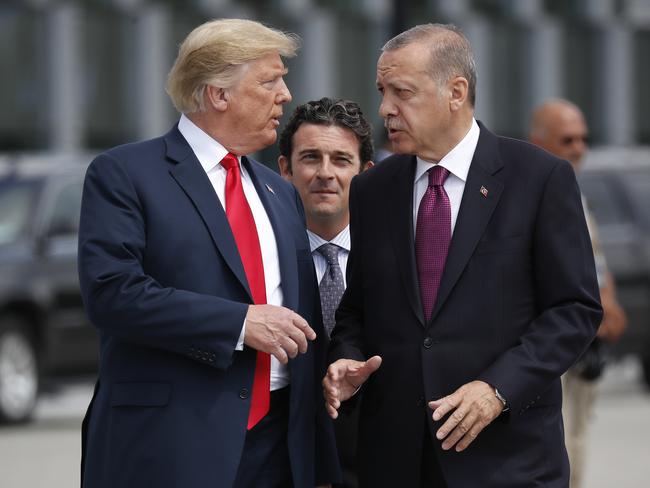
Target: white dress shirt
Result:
[[457, 161], [320, 263], [209, 152]]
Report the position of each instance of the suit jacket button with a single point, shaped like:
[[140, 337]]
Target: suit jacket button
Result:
[[243, 393], [427, 342]]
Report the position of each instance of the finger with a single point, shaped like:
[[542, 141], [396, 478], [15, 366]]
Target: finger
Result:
[[298, 336], [280, 355], [454, 419], [441, 407], [331, 392], [471, 436], [362, 371], [339, 369], [331, 411], [463, 427], [302, 324], [289, 346]]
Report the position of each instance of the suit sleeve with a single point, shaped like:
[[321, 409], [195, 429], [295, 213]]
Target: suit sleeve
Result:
[[566, 295], [347, 336], [121, 300]]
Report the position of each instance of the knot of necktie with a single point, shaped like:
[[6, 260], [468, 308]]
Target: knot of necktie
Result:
[[438, 175], [330, 252], [229, 161]]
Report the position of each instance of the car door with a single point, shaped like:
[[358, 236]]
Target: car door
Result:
[[71, 340]]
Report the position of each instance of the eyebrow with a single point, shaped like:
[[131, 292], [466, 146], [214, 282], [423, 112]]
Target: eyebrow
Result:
[[318, 151]]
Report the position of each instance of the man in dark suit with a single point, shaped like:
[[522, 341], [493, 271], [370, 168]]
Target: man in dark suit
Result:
[[324, 145], [471, 287], [195, 267]]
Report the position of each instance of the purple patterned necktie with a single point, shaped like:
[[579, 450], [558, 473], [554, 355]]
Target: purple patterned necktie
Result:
[[432, 236]]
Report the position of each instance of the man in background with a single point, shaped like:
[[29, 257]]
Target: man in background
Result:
[[559, 126], [323, 146], [194, 266]]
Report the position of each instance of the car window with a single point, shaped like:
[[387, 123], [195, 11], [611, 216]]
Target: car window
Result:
[[64, 218], [639, 192], [17, 200], [605, 203]]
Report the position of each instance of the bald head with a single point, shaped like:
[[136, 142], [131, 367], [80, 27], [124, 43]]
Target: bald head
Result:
[[559, 127]]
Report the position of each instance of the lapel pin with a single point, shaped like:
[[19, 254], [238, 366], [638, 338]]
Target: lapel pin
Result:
[[484, 191], [269, 188]]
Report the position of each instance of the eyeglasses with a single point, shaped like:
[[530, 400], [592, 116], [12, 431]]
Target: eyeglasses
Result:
[[568, 140]]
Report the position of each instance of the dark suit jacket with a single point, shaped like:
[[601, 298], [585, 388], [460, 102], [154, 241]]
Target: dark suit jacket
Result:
[[163, 282], [518, 303]]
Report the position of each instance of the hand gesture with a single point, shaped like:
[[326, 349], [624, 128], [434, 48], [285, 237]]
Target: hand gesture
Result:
[[344, 377], [474, 406], [277, 331]]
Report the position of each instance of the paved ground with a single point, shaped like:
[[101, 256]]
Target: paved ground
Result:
[[46, 452]]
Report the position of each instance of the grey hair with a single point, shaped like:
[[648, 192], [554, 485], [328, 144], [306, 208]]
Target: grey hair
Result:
[[451, 53]]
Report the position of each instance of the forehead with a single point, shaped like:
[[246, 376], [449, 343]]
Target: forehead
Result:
[[329, 138], [410, 60], [271, 62], [569, 124]]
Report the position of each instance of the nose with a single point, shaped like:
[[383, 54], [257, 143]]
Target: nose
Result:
[[284, 95], [386, 107], [325, 168]]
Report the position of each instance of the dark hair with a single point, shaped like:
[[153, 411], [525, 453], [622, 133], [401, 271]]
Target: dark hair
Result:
[[328, 111]]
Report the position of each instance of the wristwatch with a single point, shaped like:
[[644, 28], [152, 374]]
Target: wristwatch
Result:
[[502, 399]]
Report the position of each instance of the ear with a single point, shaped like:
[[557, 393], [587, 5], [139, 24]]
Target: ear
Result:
[[285, 168], [216, 98], [458, 90], [366, 165]]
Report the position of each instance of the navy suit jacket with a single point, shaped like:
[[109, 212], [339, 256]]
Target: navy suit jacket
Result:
[[517, 304], [162, 280]]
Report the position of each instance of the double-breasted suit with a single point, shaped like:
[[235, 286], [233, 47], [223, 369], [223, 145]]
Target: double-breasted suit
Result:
[[517, 304], [163, 282]]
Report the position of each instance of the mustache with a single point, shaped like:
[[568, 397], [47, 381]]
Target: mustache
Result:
[[394, 124]]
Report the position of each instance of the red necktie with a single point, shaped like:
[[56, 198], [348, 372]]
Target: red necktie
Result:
[[432, 237], [243, 228]]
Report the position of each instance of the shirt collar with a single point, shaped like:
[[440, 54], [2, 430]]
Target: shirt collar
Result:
[[458, 160], [342, 239], [208, 151]]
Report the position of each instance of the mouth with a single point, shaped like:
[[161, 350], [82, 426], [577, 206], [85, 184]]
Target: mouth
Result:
[[275, 121]]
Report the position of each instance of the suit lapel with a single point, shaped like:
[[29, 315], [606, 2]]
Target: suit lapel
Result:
[[283, 235], [480, 198], [191, 177], [400, 210]]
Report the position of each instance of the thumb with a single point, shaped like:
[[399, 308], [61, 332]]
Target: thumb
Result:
[[367, 368]]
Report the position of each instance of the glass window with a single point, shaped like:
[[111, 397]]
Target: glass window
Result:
[[603, 199], [64, 219], [17, 200], [639, 192]]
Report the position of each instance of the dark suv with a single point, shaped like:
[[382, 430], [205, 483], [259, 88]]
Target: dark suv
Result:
[[43, 328], [616, 183]]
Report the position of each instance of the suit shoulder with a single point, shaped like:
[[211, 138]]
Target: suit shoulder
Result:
[[385, 171], [269, 174], [133, 153], [529, 156]]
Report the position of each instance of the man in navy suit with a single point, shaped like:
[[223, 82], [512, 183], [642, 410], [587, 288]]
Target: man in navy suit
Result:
[[324, 145], [195, 267], [471, 287]]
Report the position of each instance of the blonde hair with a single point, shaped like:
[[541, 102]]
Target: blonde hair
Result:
[[216, 53]]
